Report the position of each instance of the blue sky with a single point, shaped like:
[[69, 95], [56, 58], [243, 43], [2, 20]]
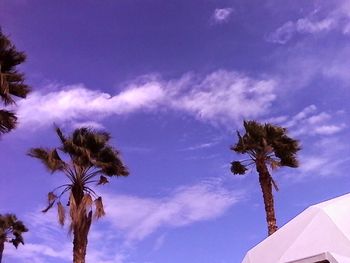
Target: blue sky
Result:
[[172, 82]]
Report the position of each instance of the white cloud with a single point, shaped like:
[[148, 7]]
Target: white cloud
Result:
[[76, 102], [329, 129], [139, 217], [200, 146], [128, 219], [220, 97], [304, 25], [311, 122], [91, 124], [227, 97], [326, 157], [338, 18], [282, 34], [40, 252], [319, 118], [222, 15]]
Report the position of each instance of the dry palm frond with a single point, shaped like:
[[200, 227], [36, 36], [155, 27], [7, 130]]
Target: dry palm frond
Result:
[[73, 209], [99, 210], [49, 158], [85, 206], [51, 198], [274, 164], [86, 201], [61, 213], [103, 180]]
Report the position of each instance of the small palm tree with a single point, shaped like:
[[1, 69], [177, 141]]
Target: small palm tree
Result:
[[89, 159], [11, 82], [11, 231], [266, 146]]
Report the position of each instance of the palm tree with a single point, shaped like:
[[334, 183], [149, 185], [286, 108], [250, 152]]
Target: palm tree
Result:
[[11, 82], [88, 159], [11, 231], [266, 146]]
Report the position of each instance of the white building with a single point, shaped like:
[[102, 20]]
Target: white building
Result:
[[320, 234]]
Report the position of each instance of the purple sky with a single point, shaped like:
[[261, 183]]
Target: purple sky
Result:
[[172, 82]]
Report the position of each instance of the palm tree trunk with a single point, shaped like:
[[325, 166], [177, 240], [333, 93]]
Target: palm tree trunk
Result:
[[265, 181], [2, 246], [80, 240], [80, 229]]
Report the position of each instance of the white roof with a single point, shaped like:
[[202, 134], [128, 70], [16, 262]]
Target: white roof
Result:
[[321, 232]]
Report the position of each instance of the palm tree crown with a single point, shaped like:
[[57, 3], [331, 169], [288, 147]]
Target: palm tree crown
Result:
[[89, 159], [265, 145], [11, 230], [11, 81]]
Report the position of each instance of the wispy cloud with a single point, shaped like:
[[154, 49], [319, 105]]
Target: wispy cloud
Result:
[[129, 219], [204, 145], [222, 15], [227, 97], [336, 19], [139, 217], [310, 121], [220, 97], [326, 157]]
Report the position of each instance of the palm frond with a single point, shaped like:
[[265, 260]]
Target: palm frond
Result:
[[110, 163], [51, 198], [12, 229], [19, 89], [85, 205], [103, 180], [99, 209], [238, 168], [8, 121], [49, 157], [11, 81], [266, 139], [61, 213]]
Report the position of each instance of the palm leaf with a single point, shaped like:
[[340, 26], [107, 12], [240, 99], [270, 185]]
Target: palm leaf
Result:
[[99, 209], [8, 121], [238, 168], [61, 213], [51, 198], [49, 157]]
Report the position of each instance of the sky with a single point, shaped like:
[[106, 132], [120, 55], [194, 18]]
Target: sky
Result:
[[172, 81]]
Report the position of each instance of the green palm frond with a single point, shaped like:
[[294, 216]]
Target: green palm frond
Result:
[[238, 168], [19, 89], [49, 157], [8, 121], [268, 141], [87, 158], [110, 163], [12, 229], [11, 81]]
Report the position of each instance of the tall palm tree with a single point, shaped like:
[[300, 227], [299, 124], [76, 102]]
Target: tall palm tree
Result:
[[11, 82], [88, 159], [266, 146], [11, 231]]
